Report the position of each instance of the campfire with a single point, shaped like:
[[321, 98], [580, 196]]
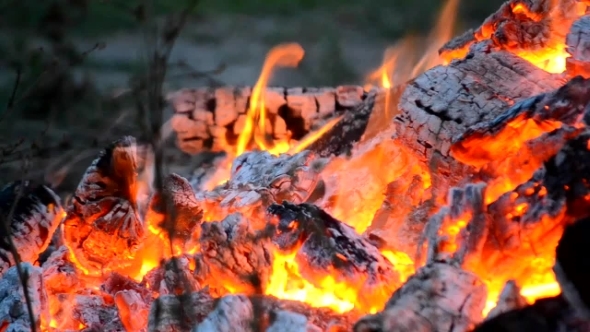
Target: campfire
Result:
[[451, 193]]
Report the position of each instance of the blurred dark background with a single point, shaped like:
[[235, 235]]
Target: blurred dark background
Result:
[[64, 64]]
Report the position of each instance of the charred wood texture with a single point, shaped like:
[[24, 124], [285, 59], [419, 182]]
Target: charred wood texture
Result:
[[444, 101], [233, 253], [439, 297], [325, 245], [173, 276], [87, 313], [210, 119], [259, 179], [545, 315], [14, 316], [572, 267], [32, 213], [172, 313], [578, 46], [104, 227], [175, 211], [533, 29]]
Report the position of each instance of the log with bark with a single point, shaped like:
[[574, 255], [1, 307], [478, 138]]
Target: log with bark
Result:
[[212, 119], [31, 212]]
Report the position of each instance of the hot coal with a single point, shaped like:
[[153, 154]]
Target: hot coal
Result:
[[32, 213]]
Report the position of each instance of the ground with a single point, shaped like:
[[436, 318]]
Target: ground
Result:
[[63, 126]]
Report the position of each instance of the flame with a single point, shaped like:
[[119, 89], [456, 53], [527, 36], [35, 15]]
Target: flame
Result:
[[402, 262], [284, 55]]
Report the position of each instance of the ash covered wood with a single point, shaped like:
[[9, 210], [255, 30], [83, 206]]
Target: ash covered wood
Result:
[[578, 46], [86, 313], [173, 313], [572, 268], [545, 315], [173, 276], [175, 211], [104, 227], [446, 100], [233, 254], [210, 119], [325, 245], [533, 28], [509, 299], [60, 275], [35, 212], [14, 316], [439, 297], [259, 179]]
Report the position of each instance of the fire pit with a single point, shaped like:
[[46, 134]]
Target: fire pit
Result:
[[456, 201]]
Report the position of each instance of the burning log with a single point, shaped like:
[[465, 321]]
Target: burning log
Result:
[[233, 254], [259, 179], [103, 228], [172, 313], [444, 101], [14, 315], [326, 246], [178, 200], [35, 212], [545, 315], [173, 276], [207, 119], [578, 46], [571, 270]]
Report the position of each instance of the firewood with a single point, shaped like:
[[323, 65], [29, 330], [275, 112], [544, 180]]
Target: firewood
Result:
[[327, 245], [60, 275], [173, 276], [202, 115], [571, 269], [232, 313], [37, 212], [510, 299], [233, 253], [14, 315], [439, 297], [103, 227], [172, 313], [545, 315], [446, 100], [177, 199], [578, 46], [259, 179]]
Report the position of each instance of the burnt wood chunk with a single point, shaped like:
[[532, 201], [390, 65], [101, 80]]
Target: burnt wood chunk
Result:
[[509, 299], [104, 227], [174, 313], [445, 101], [578, 46], [36, 214], [173, 276], [324, 245], [572, 267], [212, 119]]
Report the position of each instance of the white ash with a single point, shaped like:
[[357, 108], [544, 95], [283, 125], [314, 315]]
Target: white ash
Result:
[[286, 321], [233, 313]]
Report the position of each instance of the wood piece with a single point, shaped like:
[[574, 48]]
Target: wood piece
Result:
[[478, 144], [545, 315], [232, 313], [578, 46], [324, 245], [439, 297], [172, 313], [86, 313], [37, 212], [571, 267], [259, 179], [297, 111], [446, 100], [509, 300], [103, 228], [233, 254], [14, 315], [178, 200], [533, 29], [173, 276], [60, 275]]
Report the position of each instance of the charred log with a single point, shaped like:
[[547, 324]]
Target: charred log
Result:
[[35, 212], [173, 276], [14, 315], [439, 297], [545, 315], [572, 269], [233, 253], [60, 275], [171, 313], [175, 212], [444, 101], [207, 119], [578, 46], [86, 313], [104, 227], [259, 179], [325, 245]]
